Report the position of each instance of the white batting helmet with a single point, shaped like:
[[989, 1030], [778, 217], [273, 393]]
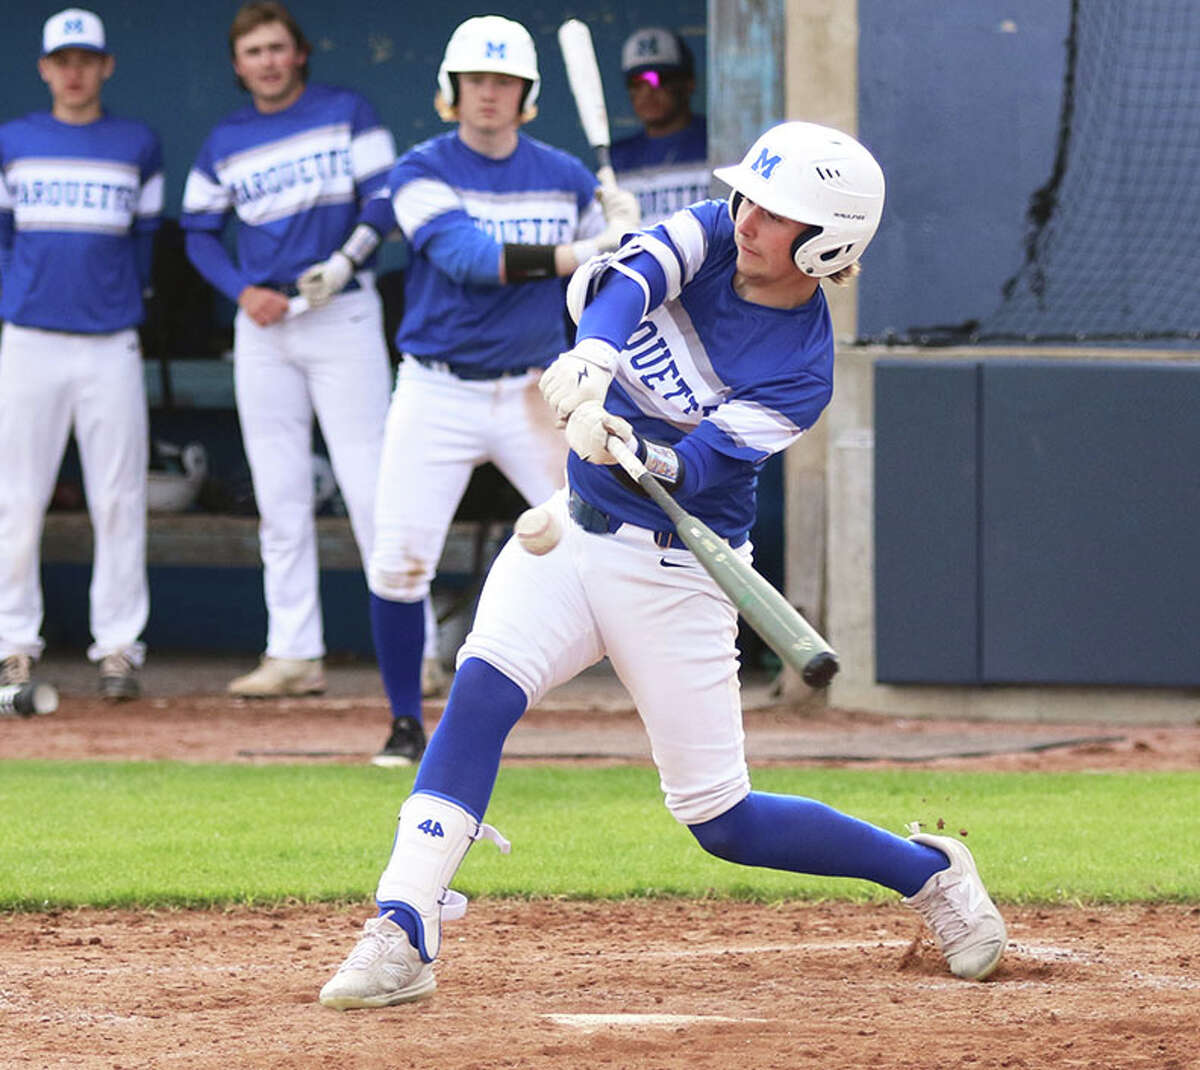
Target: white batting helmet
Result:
[[490, 43], [816, 175]]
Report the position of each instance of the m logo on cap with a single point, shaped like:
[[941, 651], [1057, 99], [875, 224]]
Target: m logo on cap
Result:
[[765, 164], [647, 47], [496, 49], [73, 26]]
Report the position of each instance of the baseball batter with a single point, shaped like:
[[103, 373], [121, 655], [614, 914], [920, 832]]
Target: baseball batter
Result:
[[666, 164], [80, 198], [493, 218], [293, 168], [705, 344]]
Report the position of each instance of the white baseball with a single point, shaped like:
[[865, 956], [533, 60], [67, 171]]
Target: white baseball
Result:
[[537, 530]]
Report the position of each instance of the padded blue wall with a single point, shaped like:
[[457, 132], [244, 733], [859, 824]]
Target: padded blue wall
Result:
[[1036, 523]]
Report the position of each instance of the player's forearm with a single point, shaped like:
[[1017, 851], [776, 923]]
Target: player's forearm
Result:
[[209, 257]]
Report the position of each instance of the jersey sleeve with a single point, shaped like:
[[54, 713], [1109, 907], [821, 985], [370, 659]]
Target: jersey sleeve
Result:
[[372, 150], [150, 197], [206, 203], [765, 419]]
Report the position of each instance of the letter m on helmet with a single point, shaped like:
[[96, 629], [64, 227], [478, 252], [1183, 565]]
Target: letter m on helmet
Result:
[[496, 49], [765, 164]]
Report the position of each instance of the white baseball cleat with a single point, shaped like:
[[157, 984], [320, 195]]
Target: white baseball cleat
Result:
[[964, 920], [281, 676], [383, 969]]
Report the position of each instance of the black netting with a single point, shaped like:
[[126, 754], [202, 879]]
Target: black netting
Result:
[[1112, 249]]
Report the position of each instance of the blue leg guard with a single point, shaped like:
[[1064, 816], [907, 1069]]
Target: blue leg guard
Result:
[[803, 836]]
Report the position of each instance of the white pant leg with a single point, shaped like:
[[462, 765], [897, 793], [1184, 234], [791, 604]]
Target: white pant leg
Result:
[[434, 440], [524, 444], [112, 431], [36, 378], [534, 622], [342, 347], [671, 633], [275, 413]]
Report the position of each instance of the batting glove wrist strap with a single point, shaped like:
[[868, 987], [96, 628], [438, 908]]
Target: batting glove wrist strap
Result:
[[661, 461], [361, 244], [432, 839]]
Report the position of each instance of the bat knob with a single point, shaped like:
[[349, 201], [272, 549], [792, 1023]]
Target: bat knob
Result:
[[820, 669]]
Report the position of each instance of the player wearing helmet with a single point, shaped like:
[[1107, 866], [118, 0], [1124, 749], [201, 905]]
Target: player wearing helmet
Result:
[[717, 350], [81, 193], [494, 218]]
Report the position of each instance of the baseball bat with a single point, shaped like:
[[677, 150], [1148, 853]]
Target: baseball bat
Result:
[[775, 619], [583, 74]]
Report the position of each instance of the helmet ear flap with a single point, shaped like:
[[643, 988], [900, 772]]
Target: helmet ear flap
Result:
[[798, 245], [735, 199]]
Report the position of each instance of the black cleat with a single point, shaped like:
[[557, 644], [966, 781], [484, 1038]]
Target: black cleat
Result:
[[404, 746]]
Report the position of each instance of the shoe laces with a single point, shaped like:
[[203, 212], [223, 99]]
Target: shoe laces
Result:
[[119, 664], [374, 942], [951, 910], [16, 669]]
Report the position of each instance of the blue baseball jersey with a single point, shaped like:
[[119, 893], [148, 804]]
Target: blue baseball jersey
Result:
[[538, 195], [295, 180], [728, 376], [75, 203], [666, 173]]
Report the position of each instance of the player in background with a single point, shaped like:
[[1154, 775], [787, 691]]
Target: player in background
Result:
[[705, 344], [666, 165], [294, 167], [494, 218], [81, 194]]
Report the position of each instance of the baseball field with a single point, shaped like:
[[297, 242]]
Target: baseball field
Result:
[[181, 874]]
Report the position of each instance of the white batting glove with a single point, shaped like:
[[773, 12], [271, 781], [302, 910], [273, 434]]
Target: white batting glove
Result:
[[620, 207], [578, 375], [322, 281], [588, 430]]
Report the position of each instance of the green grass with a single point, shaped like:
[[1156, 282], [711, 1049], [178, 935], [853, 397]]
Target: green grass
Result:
[[163, 834]]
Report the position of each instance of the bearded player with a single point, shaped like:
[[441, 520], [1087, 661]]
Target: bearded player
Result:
[[705, 344], [494, 218]]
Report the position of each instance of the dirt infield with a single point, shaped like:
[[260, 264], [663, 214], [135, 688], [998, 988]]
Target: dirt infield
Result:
[[659, 984]]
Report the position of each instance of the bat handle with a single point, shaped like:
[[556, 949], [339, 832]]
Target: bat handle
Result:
[[297, 306], [626, 458], [604, 169]]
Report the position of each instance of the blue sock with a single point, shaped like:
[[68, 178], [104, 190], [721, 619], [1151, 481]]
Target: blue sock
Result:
[[803, 836], [463, 757], [399, 632], [405, 917]]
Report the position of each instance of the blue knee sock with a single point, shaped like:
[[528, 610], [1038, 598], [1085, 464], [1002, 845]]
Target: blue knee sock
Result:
[[399, 632], [803, 836], [463, 757]]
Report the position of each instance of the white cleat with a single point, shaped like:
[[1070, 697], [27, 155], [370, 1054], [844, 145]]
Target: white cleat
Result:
[[383, 969], [276, 677], [958, 909]]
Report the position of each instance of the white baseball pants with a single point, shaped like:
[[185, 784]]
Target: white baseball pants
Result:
[[331, 361], [668, 629], [439, 429], [51, 382]]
